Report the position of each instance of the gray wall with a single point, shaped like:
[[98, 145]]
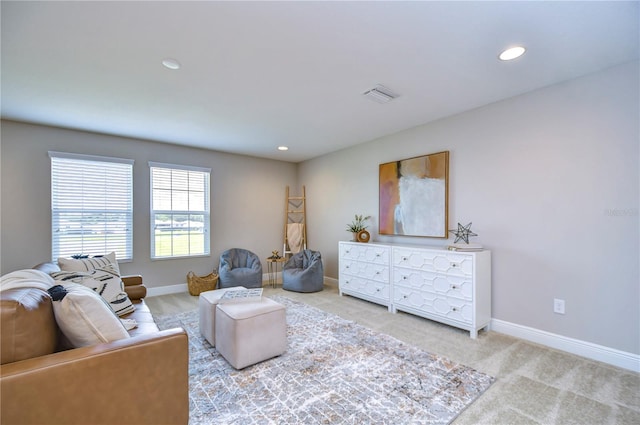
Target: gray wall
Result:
[[247, 198], [549, 180]]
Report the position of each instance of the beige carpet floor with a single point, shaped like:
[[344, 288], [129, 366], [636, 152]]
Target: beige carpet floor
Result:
[[535, 384]]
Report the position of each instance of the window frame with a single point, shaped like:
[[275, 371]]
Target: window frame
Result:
[[206, 212], [112, 205]]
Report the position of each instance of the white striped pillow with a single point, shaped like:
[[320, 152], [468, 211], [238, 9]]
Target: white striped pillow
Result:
[[105, 282], [88, 264]]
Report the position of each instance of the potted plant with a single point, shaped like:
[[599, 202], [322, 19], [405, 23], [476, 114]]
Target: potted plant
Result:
[[357, 225]]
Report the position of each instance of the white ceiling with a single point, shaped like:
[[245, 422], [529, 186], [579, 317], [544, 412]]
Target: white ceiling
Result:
[[256, 75]]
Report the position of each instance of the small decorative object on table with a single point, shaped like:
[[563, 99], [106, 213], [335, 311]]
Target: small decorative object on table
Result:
[[275, 255], [462, 233], [198, 284], [363, 236], [357, 226]]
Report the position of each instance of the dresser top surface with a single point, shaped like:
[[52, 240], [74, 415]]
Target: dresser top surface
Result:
[[413, 246]]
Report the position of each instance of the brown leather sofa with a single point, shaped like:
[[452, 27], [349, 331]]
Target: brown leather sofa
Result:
[[139, 380]]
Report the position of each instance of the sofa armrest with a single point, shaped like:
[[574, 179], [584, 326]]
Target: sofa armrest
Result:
[[134, 287], [132, 280], [139, 380]]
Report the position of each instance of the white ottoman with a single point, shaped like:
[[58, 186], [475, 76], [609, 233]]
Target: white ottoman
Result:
[[207, 310], [250, 332]]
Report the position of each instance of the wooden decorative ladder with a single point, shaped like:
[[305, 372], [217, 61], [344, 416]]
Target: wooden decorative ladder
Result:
[[295, 212]]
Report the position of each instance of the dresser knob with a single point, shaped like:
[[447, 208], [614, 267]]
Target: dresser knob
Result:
[[454, 309], [454, 287], [454, 265], [404, 278], [377, 255], [377, 272], [404, 258], [404, 296]]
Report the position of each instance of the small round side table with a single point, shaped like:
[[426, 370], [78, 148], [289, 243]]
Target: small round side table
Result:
[[272, 269]]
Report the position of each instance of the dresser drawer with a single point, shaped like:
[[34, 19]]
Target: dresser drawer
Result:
[[448, 285], [377, 272], [364, 252], [370, 289], [432, 304], [434, 261]]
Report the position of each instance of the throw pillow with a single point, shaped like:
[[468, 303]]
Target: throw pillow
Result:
[[84, 317], [88, 264], [105, 282]]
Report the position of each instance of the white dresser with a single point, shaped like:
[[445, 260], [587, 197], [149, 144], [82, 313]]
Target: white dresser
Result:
[[364, 271], [451, 287]]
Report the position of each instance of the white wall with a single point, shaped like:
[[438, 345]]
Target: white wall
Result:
[[549, 180], [247, 198]]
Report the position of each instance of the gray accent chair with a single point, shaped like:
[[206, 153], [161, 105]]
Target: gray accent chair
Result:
[[303, 272], [239, 267]]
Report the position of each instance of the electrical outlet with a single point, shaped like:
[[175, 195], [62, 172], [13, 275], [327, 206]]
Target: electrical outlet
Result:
[[558, 306]]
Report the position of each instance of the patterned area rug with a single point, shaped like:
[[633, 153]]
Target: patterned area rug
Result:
[[333, 372]]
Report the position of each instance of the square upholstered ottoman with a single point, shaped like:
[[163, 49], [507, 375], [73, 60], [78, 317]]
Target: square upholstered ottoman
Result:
[[207, 311], [250, 332]]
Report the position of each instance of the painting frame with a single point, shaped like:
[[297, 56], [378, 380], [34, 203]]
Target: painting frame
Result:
[[414, 196]]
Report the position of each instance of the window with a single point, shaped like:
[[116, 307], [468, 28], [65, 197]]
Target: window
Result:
[[91, 205], [179, 211]]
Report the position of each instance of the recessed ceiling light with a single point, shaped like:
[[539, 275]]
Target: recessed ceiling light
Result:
[[283, 148], [512, 53], [171, 63]]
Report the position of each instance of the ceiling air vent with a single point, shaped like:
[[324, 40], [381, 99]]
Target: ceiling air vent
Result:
[[380, 94]]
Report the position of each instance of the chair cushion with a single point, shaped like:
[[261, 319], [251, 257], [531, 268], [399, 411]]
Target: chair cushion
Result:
[[240, 267], [303, 272]]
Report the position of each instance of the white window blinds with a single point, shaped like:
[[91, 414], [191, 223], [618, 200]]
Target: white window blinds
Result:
[[91, 205], [179, 211]]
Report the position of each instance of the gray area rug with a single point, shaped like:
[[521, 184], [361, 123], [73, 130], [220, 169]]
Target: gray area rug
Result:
[[333, 372]]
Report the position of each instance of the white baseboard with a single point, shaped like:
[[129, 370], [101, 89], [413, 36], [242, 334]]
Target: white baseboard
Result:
[[586, 349], [177, 289], [166, 290], [331, 281], [183, 287]]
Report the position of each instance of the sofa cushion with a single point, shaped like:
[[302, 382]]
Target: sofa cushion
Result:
[[25, 313], [105, 281], [85, 317], [145, 322]]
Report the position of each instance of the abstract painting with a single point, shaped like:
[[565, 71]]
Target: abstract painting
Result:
[[414, 195]]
